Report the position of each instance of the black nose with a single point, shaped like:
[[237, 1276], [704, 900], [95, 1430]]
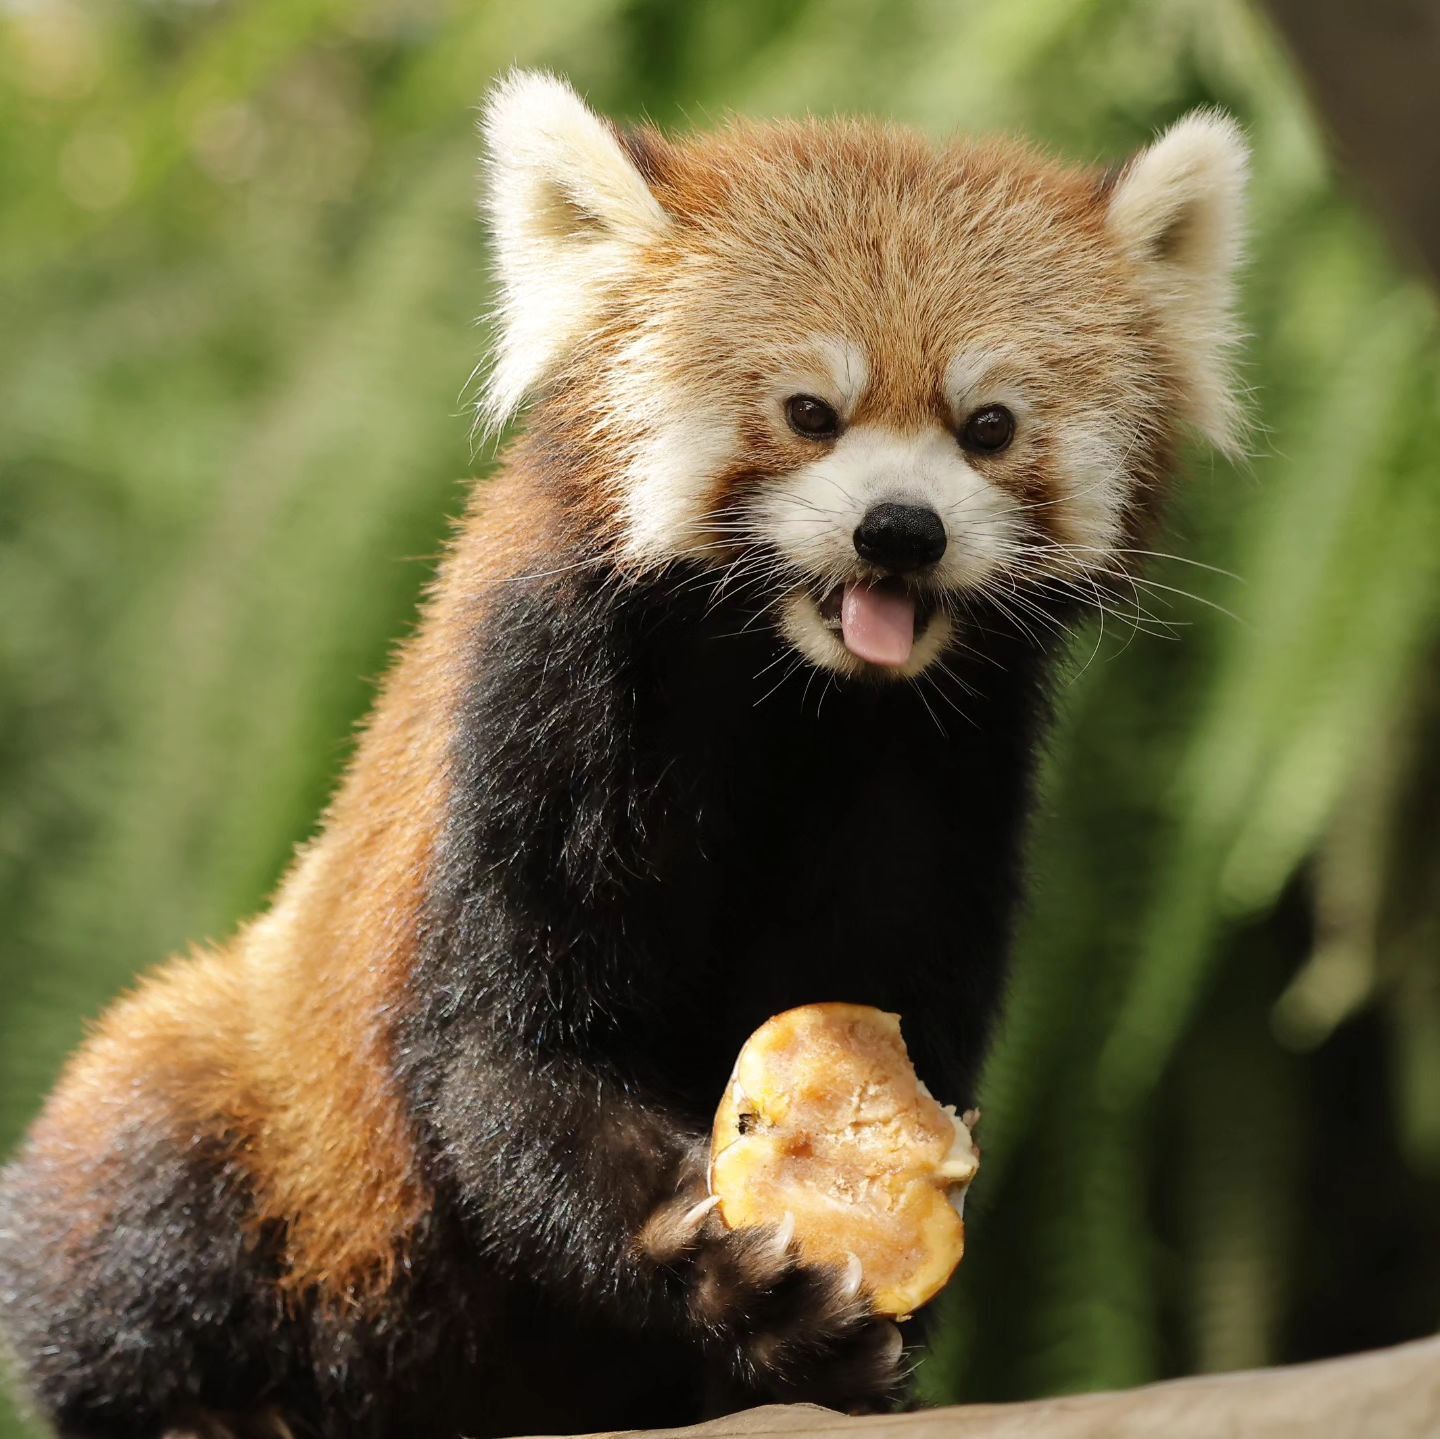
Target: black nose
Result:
[[900, 537]]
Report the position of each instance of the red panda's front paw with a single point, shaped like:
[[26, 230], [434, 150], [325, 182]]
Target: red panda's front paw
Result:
[[794, 1332], [784, 1330]]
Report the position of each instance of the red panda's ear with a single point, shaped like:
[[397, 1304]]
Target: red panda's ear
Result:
[[1176, 211], [570, 213]]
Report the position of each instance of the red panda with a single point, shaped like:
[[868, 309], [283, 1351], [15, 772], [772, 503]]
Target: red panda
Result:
[[725, 700]]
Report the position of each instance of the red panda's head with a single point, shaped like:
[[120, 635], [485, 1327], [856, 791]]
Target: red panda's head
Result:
[[876, 377]]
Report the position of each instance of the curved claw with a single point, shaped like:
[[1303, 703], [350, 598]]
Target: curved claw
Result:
[[695, 1215], [785, 1235]]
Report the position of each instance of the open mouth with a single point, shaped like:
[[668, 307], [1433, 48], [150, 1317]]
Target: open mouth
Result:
[[878, 621]]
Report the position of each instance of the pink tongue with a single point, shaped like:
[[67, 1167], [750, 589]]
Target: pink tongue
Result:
[[877, 624]]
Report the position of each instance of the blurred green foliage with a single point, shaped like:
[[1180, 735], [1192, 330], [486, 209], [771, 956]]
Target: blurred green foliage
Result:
[[238, 264]]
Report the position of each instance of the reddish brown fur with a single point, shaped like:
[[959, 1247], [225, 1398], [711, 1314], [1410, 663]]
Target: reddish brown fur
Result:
[[889, 221]]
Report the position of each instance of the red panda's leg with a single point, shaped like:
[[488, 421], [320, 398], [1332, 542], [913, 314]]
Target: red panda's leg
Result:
[[135, 1283], [593, 1195], [123, 1317]]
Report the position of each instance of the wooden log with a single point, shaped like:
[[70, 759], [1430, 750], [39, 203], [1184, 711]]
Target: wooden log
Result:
[[1386, 1394]]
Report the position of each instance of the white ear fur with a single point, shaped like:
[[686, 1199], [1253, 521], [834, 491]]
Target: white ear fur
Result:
[[569, 212], [1177, 212]]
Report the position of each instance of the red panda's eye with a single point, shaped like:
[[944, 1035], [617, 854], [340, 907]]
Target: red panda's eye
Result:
[[812, 418], [988, 431]]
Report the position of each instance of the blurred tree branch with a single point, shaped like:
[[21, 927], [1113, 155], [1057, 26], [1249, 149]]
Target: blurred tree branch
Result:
[[1390, 1392], [1371, 70]]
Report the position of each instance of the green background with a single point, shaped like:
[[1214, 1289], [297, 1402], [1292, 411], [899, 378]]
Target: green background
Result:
[[238, 270]]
